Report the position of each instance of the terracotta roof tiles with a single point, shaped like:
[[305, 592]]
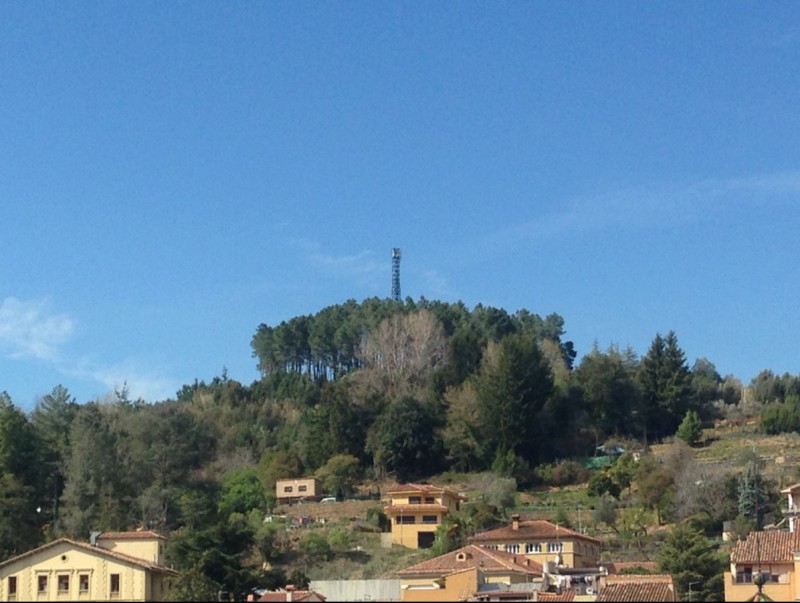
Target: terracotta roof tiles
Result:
[[529, 530], [397, 509], [637, 591], [765, 547], [136, 535], [472, 556], [566, 596], [297, 595], [616, 566]]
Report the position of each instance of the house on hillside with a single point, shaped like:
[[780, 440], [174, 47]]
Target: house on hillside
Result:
[[543, 542], [126, 566], [473, 573], [415, 511], [295, 489]]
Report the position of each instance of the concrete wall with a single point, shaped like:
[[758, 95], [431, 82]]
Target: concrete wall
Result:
[[357, 590]]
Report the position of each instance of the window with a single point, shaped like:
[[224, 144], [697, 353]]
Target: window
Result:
[[533, 547], [301, 488], [287, 488], [83, 583], [41, 584], [430, 519], [12, 588], [405, 519], [63, 584], [512, 548], [114, 585], [430, 500], [414, 500], [555, 547]]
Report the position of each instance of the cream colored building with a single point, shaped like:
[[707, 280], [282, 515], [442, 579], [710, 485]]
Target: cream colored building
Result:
[[416, 510], [288, 490], [543, 542], [117, 566]]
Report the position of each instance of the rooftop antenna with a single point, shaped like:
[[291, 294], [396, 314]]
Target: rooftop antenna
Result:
[[396, 273]]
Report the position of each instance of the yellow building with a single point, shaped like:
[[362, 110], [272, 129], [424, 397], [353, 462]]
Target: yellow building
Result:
[[467, 573], [125, 566], [542, 542], [776, 555], [415, 511]]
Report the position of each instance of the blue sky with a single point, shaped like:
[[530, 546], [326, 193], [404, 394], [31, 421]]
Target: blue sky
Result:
[[173, 174]]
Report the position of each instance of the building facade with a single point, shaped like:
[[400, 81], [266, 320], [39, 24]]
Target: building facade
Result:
[[543, 542], [416, 510], [291, 490], [115, 566]]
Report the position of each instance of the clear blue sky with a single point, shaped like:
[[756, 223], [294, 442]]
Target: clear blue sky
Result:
[[172, 174]]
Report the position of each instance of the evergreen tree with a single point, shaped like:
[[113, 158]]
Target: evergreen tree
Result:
[[513, 386], [690, 558], [690, 430], [665, 384], [753, 496]]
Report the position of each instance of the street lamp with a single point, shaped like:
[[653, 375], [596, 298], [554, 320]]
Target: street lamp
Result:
[[690, 588]]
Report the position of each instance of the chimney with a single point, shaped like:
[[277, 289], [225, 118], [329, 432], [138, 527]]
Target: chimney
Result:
[[289, 591], [93, 536], [515, 521]]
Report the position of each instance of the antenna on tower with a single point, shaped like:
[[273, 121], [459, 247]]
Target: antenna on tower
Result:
[[396, 273]]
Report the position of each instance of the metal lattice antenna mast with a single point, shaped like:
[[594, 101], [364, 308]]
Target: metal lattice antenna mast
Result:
[[396, 274]]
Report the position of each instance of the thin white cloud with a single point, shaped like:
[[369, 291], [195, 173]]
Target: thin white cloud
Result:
[[646, 208], [30, 329], [362, 267], [139, 382]]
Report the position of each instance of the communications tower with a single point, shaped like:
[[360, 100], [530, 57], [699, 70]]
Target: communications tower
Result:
[[396, 274]]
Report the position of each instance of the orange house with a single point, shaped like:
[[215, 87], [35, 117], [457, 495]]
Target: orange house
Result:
[[416, 510], [468, 573]]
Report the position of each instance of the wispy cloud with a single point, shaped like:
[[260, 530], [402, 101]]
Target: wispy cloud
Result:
[[639, 208], [140, 382], [362, 267], [31, 329]]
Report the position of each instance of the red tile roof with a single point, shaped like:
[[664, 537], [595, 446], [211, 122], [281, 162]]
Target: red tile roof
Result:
[[144, 563], [421, 488], [398, 509], [566, 596], [473, 556], [530, 530], [136, 535], [297, 595], [765, 547], [616, 566], [637, 591]]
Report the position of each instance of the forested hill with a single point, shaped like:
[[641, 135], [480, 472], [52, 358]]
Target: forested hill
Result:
[[351, 394]]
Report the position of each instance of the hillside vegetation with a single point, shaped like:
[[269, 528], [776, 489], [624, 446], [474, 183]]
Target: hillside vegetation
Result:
[[364, 394]]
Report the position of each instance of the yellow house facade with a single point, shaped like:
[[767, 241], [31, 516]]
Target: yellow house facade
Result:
[[120, 566], [416, 510], [543, 542]]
